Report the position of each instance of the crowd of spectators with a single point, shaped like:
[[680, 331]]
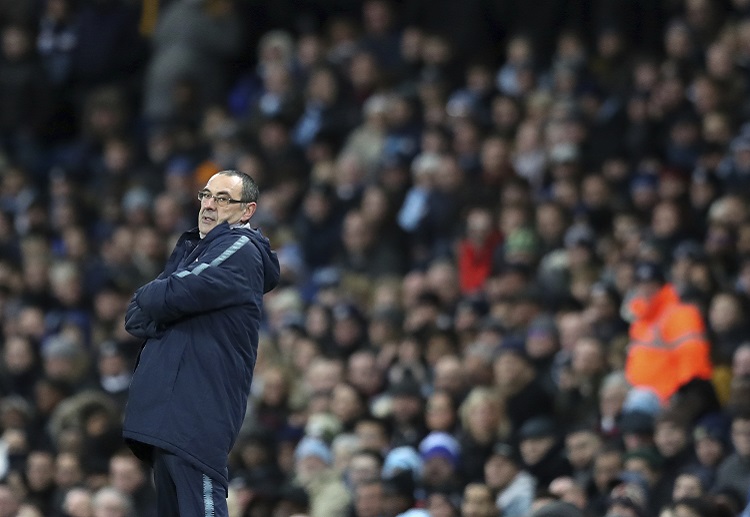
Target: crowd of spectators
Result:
[[461, 194]]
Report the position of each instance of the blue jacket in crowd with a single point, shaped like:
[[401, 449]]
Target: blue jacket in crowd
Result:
[[201, 319]]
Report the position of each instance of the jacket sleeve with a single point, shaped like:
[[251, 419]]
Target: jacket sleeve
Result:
[[229, 273], [139, 325]]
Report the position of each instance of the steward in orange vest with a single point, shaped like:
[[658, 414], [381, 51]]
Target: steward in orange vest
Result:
[[668, 344]]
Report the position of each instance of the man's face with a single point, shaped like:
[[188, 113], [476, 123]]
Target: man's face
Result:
[[211, 214]]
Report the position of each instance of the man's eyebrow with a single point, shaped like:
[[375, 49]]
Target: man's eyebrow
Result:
[[226, 192]]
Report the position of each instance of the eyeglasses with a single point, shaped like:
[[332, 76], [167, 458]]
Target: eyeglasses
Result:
[[220, 200]]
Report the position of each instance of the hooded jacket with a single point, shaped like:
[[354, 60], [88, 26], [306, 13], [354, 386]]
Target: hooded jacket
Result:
[[200, 318]]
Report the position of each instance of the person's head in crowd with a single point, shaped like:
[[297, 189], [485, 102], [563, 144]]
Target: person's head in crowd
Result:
[[347, 404], [9, 501], [612, 393], [728, 500], [40, 471], [407, 401], [483, 415], [344, 446], [364, 465], [385, 324], [477, 364], [348, 331], [368, 498], [588, 359], [126, 473], [275, 387], [373, 432], [547, 505], [644, 192], [711, 439], [607, 466], [68, 470], [542, 338], [441, 454], [637, 429], [292, 500], [521, 246], [443, 503], [439, 343], [398, 491], [110, 502], [740, 433], [19, 356], [318, 317], [477, 501], [684, 256], [726, 312], [582, 444], [551, 220], [689, 483], [425, 312], [442, 279], [64, 359], [449, 376], [536, 438], [491, 330], [526, 306], [513, 368], [565, 488], [645, 462], [671, 434], [77, 502], [312, 456], [441, 412], [729, 210], [323, 374], [15, 413], [364, 373], [741, 361], [572, 326]]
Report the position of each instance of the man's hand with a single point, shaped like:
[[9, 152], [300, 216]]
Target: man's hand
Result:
[[140, 325]]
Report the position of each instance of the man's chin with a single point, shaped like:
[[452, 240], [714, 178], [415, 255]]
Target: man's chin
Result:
[[204, 228]]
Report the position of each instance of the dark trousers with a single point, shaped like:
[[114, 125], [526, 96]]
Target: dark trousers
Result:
[[184, 491]]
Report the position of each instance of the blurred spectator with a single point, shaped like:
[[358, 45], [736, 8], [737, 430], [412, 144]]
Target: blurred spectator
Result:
[[666, 335]]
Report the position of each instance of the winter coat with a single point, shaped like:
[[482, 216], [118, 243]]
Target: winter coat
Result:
[[201, 318]]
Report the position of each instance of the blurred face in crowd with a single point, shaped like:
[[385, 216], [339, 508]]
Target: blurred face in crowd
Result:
[[581, 448], [478, 501], [686, 485], [368, 499], [534, 449], [125, 474], [607, 466], [439, 505], [211, 214], [741, 437], [499, 471], [670, 438], [708, 451], [440, 412]]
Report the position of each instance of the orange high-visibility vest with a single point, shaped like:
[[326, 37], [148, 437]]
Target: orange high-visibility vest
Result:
[[668, 344]]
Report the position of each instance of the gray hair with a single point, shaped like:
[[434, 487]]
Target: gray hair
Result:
[[250, 192]]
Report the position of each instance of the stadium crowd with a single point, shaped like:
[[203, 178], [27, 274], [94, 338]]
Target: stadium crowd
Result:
[[514, 242]]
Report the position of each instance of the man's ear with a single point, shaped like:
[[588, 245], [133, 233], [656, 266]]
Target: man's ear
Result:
[[249, 211]]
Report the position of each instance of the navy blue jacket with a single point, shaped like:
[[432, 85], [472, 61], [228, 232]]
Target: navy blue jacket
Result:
[[200, 318]]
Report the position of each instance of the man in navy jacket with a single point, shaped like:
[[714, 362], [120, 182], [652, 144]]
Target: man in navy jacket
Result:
[[200, 319]]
